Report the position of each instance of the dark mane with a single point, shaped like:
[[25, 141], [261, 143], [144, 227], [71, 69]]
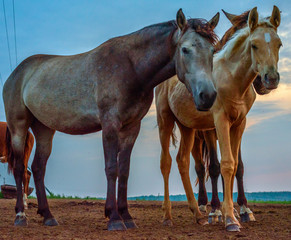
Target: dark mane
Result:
[[203, 28], [238, 22]]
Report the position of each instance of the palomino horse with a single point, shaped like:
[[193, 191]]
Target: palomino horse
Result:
[[207, 156], [253, 50], [27, 151], [109, 88]]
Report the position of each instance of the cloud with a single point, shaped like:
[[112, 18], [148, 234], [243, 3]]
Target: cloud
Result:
[[273, 105]]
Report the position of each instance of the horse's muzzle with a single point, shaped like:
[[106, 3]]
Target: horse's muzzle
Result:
[[205, 100], [271, 80]]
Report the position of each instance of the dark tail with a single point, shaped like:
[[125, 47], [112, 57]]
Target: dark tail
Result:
[[206, 161], [174, 137], [27, 150], [9, 151]]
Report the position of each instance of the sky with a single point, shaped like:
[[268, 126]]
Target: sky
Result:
[[76, 165]]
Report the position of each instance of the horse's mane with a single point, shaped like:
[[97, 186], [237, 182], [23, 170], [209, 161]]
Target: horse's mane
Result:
[[203, 28], [199, 25], [238, 22]]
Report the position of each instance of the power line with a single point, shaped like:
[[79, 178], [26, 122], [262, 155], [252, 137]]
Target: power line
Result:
[[1, 80], [14, 32], [7, 35]]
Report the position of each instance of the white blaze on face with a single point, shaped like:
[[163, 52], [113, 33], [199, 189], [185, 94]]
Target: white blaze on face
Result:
[[268, 40]]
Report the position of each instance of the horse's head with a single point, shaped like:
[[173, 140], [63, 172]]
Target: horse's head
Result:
[[194, 58], [265, 45]]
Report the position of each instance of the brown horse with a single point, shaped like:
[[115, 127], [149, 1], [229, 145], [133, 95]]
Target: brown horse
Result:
[[205, 149], [109, 88], [252, 50], [4, 150]]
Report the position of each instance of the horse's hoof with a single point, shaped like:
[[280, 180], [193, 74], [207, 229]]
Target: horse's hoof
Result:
[[245, 217], [231, 225], [246, 214], [130, 224], [117, 225], [168, 222], [215, 217], [202, 221], [20, 221], [50, 222], [203, 209], [232, 228]]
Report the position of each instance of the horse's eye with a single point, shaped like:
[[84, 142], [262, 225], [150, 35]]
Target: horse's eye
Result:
[[254, 47], [185, 50]]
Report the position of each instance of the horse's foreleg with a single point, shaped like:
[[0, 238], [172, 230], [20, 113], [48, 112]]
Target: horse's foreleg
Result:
[[245, 213], [44, 137], [183, 160], [127, 140], [200, 170], [110, 137], [227, 170], [214, 172]]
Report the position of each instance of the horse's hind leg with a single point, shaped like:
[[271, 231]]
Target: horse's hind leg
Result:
[[200, 170], [43, 137], [214, 171], [245, 213], [183, 160], [127, 140], [18, 136]]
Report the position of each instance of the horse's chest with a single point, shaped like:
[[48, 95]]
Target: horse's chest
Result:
[[237, 112]]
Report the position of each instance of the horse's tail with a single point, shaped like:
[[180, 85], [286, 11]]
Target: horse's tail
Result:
[[206, 162], [9, 151], [174, 137]]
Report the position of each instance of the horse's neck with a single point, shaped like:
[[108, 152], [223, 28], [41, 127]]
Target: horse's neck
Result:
[[152, 56], [237, 65]]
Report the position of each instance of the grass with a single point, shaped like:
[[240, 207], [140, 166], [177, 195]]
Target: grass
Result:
[[270, 202], [58, 196]]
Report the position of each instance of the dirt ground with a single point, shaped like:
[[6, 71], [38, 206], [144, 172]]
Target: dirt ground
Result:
[[84, 219]]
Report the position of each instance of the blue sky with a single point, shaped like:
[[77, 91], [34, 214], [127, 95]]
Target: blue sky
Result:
[[76, 166]]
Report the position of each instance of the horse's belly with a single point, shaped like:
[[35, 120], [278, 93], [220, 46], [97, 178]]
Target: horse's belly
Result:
[[68, 116]]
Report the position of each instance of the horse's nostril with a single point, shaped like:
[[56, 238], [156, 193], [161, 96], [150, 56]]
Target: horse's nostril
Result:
[[266, 77], [201, 96]]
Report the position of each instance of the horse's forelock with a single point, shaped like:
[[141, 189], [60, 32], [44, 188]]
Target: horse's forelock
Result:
[[203, 28]]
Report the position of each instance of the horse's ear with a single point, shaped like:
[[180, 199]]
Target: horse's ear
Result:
[[253, 19], [275, 19], [214, 21], [181, 20], [229, 16]]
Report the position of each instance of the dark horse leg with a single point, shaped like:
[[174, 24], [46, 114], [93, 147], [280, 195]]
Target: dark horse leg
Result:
[[43, 137], [110, 136], [127, 140], [245, 213], [214, 172], [18, 137], [200, 170]]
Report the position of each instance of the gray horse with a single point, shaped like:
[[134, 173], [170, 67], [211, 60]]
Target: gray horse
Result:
[[109, 88]]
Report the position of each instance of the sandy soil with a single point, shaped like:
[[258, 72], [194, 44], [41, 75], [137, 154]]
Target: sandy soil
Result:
[[80, 219]]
